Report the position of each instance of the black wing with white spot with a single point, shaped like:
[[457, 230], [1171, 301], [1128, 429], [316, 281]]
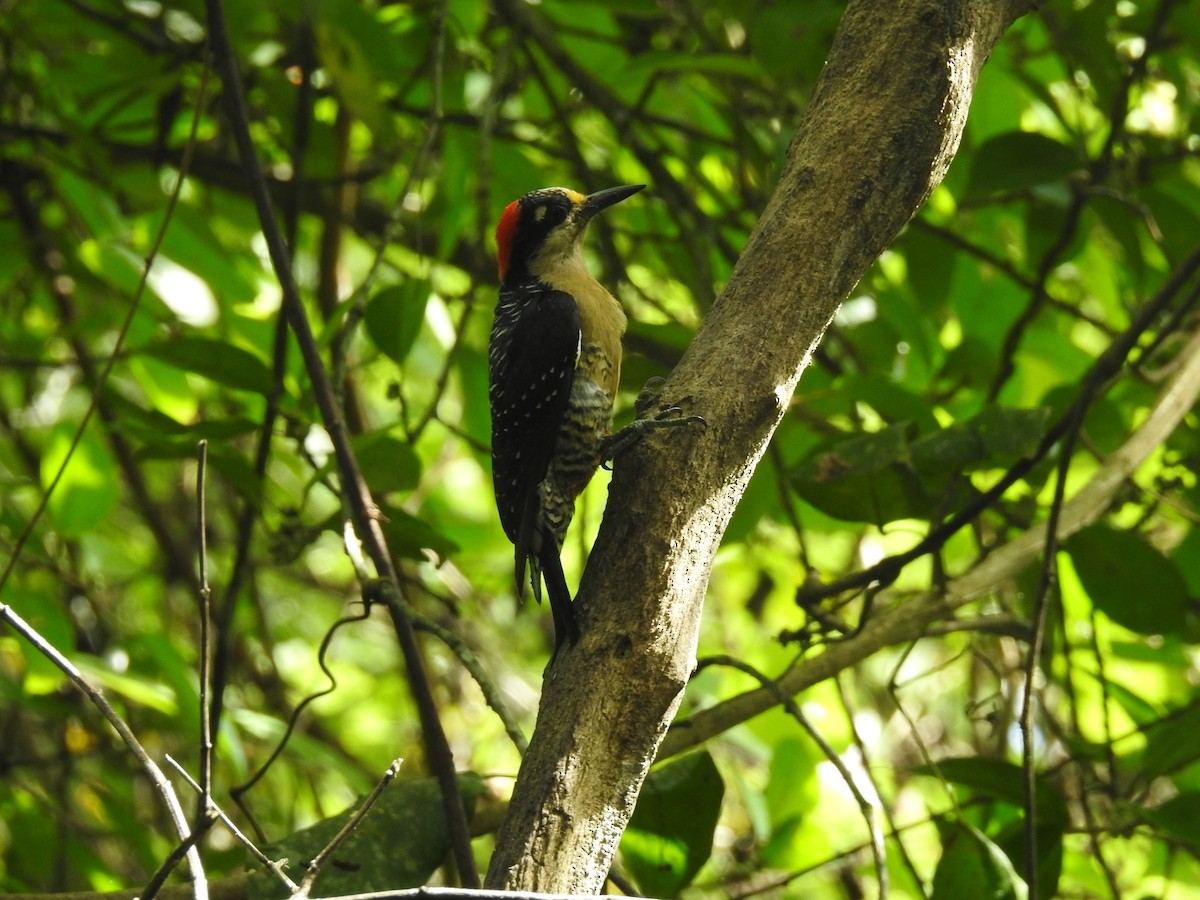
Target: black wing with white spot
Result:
[[531, 365]]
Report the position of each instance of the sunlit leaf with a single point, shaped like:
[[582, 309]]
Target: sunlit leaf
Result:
[[88, 488]]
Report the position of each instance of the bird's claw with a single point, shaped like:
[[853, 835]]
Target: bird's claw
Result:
[[647, 395], [614, 445]]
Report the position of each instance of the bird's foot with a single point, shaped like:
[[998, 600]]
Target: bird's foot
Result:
[[614, 445]]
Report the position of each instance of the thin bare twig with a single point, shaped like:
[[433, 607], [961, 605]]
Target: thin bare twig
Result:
[[206, 739], [242, 837]]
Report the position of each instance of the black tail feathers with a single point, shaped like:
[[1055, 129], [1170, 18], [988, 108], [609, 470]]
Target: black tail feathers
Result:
[[541, 558], [566, 627]]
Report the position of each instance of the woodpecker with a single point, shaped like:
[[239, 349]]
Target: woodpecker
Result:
[[554, 363]]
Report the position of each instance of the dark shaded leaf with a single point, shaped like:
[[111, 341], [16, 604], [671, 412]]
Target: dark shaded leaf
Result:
[[410, 536], [1129, 581], [1171, 745], [215, 360], [394, 317], [671, 831], [1017, 161], [1002, 781], [973, 867], [399, 844], [892, 474], [387, 462], [866, 479], [997, 437], [1177, 819]]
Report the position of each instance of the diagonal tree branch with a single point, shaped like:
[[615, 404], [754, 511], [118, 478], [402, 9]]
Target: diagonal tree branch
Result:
[[878, 136], [908, 621]]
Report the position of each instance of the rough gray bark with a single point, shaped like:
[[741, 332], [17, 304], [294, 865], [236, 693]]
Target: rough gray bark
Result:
[[879, 134]]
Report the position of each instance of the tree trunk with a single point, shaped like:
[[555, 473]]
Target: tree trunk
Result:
[[881, 130]]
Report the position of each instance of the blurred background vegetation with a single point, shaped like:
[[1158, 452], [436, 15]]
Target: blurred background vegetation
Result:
[[393, 134]]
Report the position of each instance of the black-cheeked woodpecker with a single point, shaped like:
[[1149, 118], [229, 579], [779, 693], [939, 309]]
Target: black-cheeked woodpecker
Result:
[[554, 364]]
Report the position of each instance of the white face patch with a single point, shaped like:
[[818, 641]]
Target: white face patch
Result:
[[539, 213]]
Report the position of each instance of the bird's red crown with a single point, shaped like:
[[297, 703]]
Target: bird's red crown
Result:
[[505, 230]]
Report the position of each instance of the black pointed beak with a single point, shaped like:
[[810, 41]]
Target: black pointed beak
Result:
[[602, 200]]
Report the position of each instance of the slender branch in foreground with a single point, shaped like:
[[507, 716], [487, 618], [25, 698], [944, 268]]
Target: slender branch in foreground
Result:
[[362, 507], [271, 865], [206, 739]]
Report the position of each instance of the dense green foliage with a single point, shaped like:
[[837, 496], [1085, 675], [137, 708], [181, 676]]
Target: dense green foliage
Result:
[[979, 348]]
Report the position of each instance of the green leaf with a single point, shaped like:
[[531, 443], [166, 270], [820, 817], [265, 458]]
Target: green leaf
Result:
[[43, 611], [134, 688], [1177, 819], [1137, 707], [410, 536], [973, 867], [790, 39], [387, 462], [893, 474], [712, 63], [793, 789], [865, 479], [1171, 745], [215, 360], [671, 831], [1003, 781], [891, 400], [394, 316], [997, 437], [1017, 161], [1129, 581], [348, 39], [87, 491]]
